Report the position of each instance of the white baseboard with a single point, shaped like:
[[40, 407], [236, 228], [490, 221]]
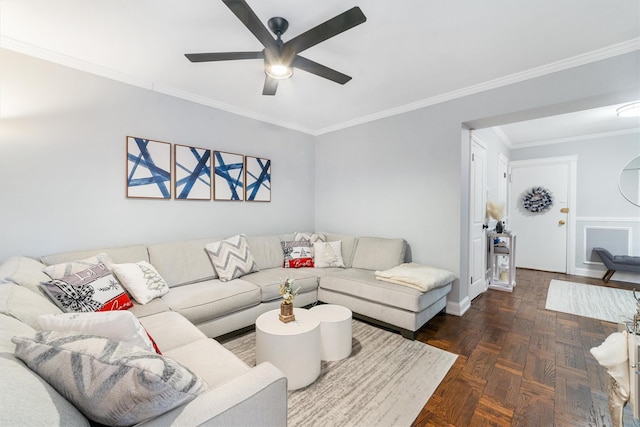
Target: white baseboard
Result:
[[458, 308], [618, 275]]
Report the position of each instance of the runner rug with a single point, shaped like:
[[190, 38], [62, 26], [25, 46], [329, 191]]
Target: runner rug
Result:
[[597, 302], [386, 381]]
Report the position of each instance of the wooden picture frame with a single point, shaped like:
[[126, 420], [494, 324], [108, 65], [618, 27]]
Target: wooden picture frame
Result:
[[148, 168], [192, 169], [257, 179], [228, 182]]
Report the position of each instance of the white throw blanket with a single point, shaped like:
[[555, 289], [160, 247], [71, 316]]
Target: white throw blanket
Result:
[[417, 276]]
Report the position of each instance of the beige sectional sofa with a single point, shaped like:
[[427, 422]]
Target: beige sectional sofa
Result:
[[198, 307]]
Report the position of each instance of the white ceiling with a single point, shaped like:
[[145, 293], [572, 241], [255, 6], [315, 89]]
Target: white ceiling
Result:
[[579, 125], [409, 53]]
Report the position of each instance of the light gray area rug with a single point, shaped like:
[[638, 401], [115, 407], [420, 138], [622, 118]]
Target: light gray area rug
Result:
[[386, 381], [597, 302]]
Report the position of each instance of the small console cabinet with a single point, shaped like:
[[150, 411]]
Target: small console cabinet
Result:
[[502, 261]]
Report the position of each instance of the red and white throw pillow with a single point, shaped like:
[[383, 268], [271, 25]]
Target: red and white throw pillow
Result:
[[297, 254], [93, 289]]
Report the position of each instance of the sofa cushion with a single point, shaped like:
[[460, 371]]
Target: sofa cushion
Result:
[[141, 279], [25, 272], [208, 300], [183, 262], [117, 325], [266, 250], [232, 257], [210, 361], [93, 289], [171, 330], [348, 246], [120, 255], [24, 305], [58, 271], [152, 307], [377, 253], [363, 285], [131, 384], [328, 254], [297, 253], [269, 281], [27, 399]]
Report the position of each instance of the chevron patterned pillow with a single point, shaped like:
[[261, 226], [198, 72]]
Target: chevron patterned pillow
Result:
[[231, 257], [111, 382]]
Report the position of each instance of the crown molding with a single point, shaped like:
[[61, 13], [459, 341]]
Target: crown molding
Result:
[[565, 64], [576, 138], [589, 57]]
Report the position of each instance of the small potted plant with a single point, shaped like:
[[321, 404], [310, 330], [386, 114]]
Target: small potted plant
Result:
[[286, 306]]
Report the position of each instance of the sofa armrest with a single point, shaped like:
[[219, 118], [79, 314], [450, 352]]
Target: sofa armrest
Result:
[[258, 397]]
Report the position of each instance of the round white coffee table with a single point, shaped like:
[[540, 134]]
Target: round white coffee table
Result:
[[292, 347], [335, 331]]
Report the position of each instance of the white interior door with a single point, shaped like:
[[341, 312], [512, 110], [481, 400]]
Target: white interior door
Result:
[[542, 236], [477, 205]]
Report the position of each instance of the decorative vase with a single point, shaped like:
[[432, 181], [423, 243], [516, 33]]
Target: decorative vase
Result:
[[499, 227], [286, 312]]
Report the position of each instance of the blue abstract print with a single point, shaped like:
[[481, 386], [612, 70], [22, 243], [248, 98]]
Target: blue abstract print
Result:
[[193, 173], [228, 183], [148, 168], [258, 179]]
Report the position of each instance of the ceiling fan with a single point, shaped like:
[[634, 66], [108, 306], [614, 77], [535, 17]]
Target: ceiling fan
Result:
[[279, 57]]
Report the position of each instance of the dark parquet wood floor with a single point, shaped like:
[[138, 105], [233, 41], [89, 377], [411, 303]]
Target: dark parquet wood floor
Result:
[[519, 364]]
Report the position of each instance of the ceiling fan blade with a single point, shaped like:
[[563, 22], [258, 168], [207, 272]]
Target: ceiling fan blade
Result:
[[270, 86], [241, 9], [326, 30], [223, 56], [320, 70]]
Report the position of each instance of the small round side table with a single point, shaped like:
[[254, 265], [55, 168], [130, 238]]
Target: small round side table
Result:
[[335, 331], [292, 347]]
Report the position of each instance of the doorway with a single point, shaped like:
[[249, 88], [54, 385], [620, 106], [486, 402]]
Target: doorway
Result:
[[477, 204], [542, 213]]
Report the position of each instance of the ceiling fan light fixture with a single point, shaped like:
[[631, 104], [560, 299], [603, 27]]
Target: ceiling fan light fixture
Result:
[[279, 71], [629, 110]]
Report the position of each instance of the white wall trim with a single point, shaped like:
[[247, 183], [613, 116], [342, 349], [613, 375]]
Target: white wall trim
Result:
[[565, 64], [629, 231], [458, 309], [606, 219], [618, 275]]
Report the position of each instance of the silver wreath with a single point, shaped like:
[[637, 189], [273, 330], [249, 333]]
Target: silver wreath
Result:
[[537, 199]]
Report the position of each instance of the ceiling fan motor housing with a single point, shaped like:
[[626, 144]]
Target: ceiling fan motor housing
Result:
[[278, 25]]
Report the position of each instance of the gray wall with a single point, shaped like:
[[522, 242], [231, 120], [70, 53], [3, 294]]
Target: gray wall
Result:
[[62, 164], [407, 175], [603, 216]]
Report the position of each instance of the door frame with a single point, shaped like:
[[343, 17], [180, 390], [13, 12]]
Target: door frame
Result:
[[572, 163]]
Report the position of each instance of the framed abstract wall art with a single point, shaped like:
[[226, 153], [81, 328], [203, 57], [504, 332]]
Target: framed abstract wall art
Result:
[[148, 168], [193, 173], [257, 179], [228, 179]]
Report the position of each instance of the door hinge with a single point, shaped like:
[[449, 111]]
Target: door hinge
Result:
[[472, 280], [473, 157]]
